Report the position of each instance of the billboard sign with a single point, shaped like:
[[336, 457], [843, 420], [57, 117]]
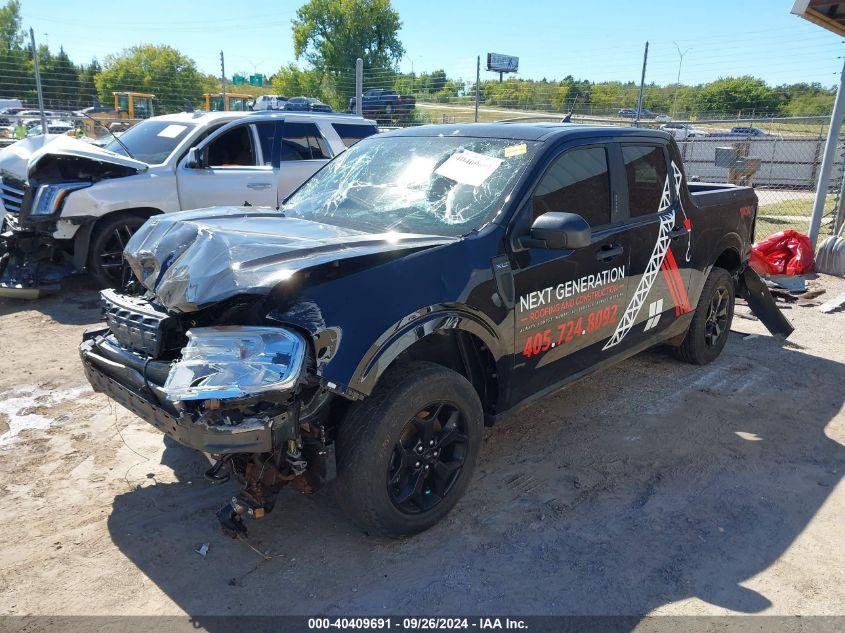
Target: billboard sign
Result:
[[502, 63]]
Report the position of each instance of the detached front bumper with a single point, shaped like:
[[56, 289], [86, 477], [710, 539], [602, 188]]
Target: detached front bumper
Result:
[[108, 371]]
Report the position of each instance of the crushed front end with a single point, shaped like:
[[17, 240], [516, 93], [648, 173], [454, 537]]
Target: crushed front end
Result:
[[29, 260], [245, 395]]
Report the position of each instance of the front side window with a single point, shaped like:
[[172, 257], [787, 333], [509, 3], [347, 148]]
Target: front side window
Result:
[[303, 141], [646, 171], [232, 148], [577, 182]]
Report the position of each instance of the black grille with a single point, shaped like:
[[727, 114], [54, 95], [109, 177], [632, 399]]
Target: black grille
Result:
[[12, 193], [137, 325]]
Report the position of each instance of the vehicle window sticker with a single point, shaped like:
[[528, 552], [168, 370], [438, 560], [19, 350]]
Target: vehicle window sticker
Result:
[[468, 168], [515, 150], [172, 131]]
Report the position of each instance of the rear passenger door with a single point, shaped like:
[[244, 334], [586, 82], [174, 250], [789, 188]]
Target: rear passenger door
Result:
[[303, 152], [657, 238], [567, 301]]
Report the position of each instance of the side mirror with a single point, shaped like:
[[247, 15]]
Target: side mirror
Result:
[[195, 159], [559, 230]]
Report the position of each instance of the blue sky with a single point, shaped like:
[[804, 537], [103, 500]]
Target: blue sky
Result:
[[597, 41]]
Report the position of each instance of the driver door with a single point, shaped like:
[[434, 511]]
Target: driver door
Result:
[[568, 301], [236, 168]]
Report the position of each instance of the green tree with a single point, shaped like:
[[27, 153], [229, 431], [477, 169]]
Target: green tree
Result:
[[59, 79], [733, 94], [16, 78], [332, 34], [160, 70], [87, 89], [438, 80]]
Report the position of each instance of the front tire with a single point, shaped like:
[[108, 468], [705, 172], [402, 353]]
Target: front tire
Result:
[[406, 454], [105, 252], [711, 323]]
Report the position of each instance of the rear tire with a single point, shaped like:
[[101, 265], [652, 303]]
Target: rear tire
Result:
[[711, 323], [105, 252], [406, 454]]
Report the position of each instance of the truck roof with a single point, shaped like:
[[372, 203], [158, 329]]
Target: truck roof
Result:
[[528, 131]]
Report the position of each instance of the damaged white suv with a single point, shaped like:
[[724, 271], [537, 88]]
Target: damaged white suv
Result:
[[70, 205]]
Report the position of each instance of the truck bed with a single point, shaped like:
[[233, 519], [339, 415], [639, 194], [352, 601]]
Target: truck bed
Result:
[[711, 194]]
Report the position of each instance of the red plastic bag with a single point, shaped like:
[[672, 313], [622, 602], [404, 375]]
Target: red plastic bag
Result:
[[784, 253]]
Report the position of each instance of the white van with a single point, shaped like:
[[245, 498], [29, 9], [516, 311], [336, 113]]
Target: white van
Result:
[[81, 203], [5, 104]]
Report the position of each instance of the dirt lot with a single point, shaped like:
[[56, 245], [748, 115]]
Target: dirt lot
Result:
[[653, 487]]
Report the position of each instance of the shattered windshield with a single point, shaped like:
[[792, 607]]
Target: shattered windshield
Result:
[[412, 184], [151, 141]]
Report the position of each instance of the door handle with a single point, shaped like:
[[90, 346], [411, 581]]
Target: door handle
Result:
[[608, 252], [678, 232], [259, 185]]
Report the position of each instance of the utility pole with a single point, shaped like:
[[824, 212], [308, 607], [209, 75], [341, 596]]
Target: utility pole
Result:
[[642, 85], [678, 82], [828, 158], [223, 82], [359, 87], [38, 82], [477, 84]]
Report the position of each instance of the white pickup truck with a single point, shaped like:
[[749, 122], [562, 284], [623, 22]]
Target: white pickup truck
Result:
[[71, 205]]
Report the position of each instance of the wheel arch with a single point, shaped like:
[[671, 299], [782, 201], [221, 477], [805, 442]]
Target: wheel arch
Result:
[[456, 339], [82, 239]]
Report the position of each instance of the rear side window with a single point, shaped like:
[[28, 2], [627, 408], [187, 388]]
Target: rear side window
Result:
[[350, 133], [577, 182], [645, 169], [303, 141]]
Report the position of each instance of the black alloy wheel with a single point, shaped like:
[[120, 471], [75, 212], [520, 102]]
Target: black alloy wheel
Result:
[[428, 458]]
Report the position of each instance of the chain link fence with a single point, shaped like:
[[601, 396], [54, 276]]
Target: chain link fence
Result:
[[780, 157]]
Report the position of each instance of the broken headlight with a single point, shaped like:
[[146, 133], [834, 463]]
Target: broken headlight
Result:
[[49, 198], [234, 362]]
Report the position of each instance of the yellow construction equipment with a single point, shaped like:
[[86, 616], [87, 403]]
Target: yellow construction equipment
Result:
[[234, 101], [133, 105]]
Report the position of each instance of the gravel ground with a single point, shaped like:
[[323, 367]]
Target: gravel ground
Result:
[[650, 488]]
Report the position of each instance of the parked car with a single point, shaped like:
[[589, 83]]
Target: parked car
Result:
[[7, 115], [743, 130], [631, 113], [53, 127], [269, 102], [306, 104], [70, 203], [379, 103], [10, 104], [682, 131], [396, 305]]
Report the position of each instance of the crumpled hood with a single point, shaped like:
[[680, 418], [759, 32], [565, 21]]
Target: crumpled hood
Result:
[[194, 258], [20, 159]]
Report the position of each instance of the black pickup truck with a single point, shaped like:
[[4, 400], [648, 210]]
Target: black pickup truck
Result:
[[424, 283], [379, 103]]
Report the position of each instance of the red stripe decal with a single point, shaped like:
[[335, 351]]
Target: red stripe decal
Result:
[[682, 303], [665, 267]]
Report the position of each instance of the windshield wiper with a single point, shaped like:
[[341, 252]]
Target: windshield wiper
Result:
[[114, 136]]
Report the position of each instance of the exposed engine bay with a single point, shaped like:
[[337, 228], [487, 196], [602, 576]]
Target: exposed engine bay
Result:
[[269, 434], [35, 181]]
